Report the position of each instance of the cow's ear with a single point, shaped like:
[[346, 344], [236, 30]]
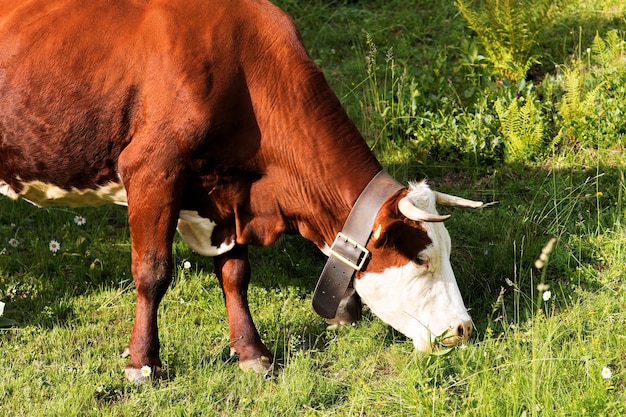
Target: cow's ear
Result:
[[388, 221], [387, 231], [400, 237], [393, 229]]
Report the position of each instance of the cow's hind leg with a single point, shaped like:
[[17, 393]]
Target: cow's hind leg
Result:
[[153, 206], [233, 272]]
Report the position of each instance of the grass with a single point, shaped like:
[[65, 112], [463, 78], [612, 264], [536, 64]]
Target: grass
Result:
[[528, 357]]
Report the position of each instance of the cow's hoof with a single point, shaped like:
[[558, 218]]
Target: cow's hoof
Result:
[[262, 365], [143, 375]]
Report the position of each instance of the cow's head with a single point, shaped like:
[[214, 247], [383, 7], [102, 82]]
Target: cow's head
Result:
[[409, 282]]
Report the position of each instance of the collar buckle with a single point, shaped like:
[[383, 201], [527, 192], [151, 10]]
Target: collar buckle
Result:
[[349, 251]]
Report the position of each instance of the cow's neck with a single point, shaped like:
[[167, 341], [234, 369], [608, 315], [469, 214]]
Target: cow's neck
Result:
[[313, 159], [316, 158]]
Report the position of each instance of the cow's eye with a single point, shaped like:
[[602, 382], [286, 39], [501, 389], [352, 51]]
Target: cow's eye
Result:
[[421, 260]]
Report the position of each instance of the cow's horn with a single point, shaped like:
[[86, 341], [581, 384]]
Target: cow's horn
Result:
[[454, 201], [409, 210]]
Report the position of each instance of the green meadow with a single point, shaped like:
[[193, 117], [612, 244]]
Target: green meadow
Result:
[[517, 101]]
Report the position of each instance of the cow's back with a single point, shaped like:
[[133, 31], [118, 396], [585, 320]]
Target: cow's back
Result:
[[80, 80], [69, 92]]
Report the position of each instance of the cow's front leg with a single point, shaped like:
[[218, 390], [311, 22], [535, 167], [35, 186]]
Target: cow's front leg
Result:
[[152, 275], [233, 272], [151, 235], [153, 208]]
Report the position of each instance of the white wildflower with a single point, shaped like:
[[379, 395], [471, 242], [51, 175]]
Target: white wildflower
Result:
[[146, 371], [54, 246]]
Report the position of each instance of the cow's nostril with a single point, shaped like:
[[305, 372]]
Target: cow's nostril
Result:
[[464, 330], [456, 335]]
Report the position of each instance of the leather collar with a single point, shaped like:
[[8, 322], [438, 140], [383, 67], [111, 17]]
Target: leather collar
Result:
[[348, 252]]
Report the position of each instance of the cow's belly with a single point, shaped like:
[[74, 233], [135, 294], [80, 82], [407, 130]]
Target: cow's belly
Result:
[[196, 231], [45, 195]]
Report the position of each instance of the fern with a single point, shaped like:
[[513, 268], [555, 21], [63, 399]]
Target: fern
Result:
[[586, 85], [521, 126], [570, 105], [601, 53], [577, 103], [507, 29], [609, 52], [580, 91]]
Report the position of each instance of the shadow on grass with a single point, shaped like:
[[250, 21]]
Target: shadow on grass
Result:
[[35, 282]]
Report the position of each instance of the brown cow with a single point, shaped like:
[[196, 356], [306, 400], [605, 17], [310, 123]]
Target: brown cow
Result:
[[210, 116]]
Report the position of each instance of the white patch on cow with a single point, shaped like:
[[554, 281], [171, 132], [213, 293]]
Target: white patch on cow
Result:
[[44, 195], [8, 191], [196, 231], [420, 299]]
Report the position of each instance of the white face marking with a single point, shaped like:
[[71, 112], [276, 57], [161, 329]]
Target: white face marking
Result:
[[420, 299], [196, 231], [418, 303], [44, 195]]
